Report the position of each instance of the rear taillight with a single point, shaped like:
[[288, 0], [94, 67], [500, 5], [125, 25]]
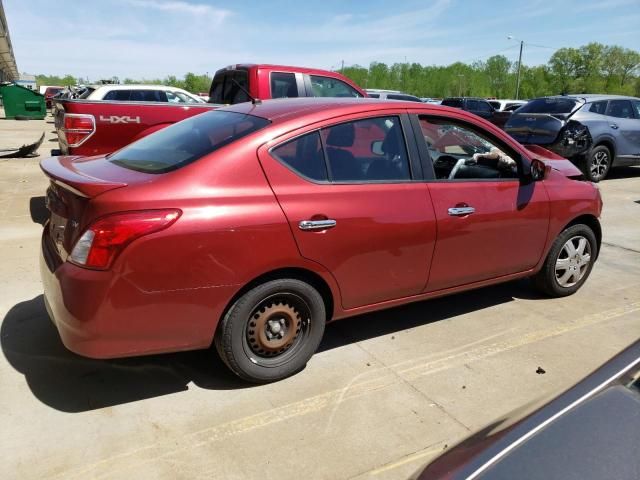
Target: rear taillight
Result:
[[103, 241], [78, 128]]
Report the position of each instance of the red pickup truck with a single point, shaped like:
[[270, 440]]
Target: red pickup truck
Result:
[[97, 127]]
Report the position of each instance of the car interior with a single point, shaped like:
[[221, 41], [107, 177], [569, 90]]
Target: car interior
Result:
[[460, 153]]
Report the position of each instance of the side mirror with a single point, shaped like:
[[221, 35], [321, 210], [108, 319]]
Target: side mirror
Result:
[[538, 170]]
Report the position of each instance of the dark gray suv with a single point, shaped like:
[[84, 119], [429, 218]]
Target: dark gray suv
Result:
[[594, 131]]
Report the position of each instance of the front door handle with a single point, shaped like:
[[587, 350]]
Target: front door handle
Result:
[[316, 224], [614, 126], [461, 211]]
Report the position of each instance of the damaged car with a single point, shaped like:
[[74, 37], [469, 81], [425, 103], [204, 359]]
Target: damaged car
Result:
[[595, 132]]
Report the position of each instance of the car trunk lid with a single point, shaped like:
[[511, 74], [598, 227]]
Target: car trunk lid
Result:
[[541, 120]]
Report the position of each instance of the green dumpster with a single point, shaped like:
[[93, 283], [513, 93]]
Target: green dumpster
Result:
[[21, 102]]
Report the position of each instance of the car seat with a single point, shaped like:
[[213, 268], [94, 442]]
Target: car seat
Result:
[[343, 163]]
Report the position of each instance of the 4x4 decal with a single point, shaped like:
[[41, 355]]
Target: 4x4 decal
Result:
[[119, 119]]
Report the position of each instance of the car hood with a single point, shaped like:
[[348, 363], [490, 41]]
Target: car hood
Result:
[[554, 161]]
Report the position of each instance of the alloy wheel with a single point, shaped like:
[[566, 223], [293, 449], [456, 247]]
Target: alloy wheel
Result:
[[573, 261], [599, 164]]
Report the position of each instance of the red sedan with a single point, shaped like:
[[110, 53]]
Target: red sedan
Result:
[[254, 225]]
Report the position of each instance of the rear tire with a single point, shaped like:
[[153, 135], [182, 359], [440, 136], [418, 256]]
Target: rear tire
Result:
[[568, 263], [597, 163], [272, 330]]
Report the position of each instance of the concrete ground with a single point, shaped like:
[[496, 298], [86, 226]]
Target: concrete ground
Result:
[[385, 394]]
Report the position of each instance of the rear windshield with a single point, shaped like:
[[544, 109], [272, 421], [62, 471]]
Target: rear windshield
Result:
[[186, 141], [549, 105], [225, 87]]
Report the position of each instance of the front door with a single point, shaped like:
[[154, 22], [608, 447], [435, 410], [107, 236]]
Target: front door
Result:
[[354, 206], [624, 122], [489, 224]]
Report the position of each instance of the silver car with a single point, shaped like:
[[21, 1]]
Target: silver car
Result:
[[594, 131]]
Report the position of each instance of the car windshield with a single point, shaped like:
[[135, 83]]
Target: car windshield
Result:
[[186, 141], [550, 105]]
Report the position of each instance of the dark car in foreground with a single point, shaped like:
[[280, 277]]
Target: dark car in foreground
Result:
[[596, 132], [51, 92], [253, 225], [590, 432]]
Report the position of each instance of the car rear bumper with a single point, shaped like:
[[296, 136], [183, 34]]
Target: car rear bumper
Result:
[[99, 314]]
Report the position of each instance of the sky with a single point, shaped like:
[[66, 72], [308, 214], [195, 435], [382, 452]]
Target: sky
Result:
[[155, 38]]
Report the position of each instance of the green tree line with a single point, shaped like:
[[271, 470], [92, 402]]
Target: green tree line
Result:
[[592, 68]]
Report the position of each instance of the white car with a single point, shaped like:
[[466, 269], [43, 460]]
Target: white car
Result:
[[144, 93]]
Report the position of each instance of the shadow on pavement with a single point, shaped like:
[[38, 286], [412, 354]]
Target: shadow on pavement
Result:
[[38, 210], [623, 172], [70, 383], [385, 322]]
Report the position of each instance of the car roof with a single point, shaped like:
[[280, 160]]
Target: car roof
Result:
[[284, 68], [137, 87], [282, 109], [593, 97]]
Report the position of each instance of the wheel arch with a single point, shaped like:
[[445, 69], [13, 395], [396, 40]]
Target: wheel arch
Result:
[[593, 223], [312, 278], [610, 144]]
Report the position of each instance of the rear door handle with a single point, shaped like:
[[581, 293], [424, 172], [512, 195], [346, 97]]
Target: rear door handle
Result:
[[614, 126], [317, 224], [461, 211]]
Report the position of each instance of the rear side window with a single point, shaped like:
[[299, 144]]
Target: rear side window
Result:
[[147, 96], [406, 98], [119, 95], [367, 150], [636, 105], [550, 105], [483, 106], [620, 109], [374, 95], [598, 107], [225, 87], [283, 85], [186, 141], [331, 87], [452, 102], [304, 156]]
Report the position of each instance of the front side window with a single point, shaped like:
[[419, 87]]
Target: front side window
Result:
[[452, 102], [460, 153], [636, 105], [283, 85], [483, 107], [367, 150], [620, 109], [331, 87], [186, 141]]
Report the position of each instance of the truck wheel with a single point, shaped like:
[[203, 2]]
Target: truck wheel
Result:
[[568, 263], [272, 330], [597, 163]]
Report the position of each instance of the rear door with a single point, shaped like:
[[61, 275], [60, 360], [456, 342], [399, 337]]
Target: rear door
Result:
[[625, 124], [353, 196], [489, 224]]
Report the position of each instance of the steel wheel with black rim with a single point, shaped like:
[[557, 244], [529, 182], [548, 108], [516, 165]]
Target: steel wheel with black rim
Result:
[[272, 330], [569, 262], [598, 163]]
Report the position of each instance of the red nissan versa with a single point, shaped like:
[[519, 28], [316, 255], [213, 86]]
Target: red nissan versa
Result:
[[252, 226]]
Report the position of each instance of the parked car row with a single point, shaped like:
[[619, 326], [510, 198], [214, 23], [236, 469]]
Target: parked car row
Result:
[[116, 115]]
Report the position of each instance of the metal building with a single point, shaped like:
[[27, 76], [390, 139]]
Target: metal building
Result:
[[8, 67]]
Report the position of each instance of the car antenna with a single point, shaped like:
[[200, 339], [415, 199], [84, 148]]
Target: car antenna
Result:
[[254, 100]]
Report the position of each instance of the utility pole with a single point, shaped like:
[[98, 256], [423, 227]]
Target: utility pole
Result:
[[342, 67], [518, 77], [460, 77]]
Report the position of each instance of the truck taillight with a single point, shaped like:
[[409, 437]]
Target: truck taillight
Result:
[[78, 128], [103, 241]]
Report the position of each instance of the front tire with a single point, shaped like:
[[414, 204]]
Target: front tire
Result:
[[568, 263], [272, 330], [598, 163]]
